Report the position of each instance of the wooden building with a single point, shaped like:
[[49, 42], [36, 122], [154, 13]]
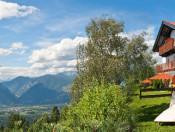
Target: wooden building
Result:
[[165, 45]]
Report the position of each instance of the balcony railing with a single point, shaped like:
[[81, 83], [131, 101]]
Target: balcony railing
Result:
[[166, 67], [167, 47]]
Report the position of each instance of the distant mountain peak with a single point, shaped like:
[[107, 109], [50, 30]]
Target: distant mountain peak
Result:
[[57, 85]]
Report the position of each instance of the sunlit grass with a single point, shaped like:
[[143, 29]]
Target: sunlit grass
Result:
[[148, 109]]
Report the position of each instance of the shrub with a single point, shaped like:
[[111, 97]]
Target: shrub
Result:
[[103, 108], [160, 84], [167, 82]]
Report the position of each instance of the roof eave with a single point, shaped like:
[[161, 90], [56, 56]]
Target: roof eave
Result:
[[164, 23]]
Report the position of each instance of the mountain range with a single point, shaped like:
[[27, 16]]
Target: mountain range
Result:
[[47, 89]]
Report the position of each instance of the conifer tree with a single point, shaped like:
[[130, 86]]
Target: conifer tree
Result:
[[16, 121], [64, 112], [55, 115], [45, 118]]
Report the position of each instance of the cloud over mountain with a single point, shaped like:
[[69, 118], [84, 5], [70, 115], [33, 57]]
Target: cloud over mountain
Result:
[[61, 55]]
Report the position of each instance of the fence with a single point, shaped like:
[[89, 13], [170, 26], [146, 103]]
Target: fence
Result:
[[157, 95]]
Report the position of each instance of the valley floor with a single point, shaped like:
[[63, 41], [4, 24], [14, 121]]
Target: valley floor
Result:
[[29, 112], [148, 109]]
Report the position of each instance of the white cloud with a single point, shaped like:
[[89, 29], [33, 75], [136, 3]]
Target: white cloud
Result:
[[4, 52], [8, 10], [44, 43], [7, 73], [59, 55], [18, 48]]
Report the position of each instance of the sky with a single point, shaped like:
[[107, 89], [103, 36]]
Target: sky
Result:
[[39, 37]]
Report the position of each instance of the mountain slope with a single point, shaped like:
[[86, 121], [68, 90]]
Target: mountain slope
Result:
[[20, 85], [39, 94], [6, 97], [16, 84], [47, 89]]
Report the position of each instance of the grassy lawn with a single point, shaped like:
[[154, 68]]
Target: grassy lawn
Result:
[[148, 109]]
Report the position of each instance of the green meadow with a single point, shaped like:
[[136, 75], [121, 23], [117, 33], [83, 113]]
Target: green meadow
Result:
[[147, 109]]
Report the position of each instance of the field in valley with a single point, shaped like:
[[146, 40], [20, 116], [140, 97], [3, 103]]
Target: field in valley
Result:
[[29, 112]]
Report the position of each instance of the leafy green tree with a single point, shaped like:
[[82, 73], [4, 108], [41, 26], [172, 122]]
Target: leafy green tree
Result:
[[109, 56], [55, 115], [148, 73], [141, 75], [100, 57], [64, 112]]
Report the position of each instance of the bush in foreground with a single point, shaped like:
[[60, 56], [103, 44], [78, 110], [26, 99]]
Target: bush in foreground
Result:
[[103, 107]]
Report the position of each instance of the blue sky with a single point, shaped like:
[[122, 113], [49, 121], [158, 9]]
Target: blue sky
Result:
[[39, 37]]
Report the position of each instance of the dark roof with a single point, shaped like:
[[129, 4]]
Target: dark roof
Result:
[[164, 33]]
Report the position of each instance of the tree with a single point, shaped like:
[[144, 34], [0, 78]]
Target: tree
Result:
[[64, 112], [141, 75], [148, 74], [55, 115], [1, 128], [45, 118], [100, 57], [17, 123], [108, 56]]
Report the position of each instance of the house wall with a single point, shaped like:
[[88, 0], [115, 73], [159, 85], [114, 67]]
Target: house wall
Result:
[[172, 35], [170, 58]]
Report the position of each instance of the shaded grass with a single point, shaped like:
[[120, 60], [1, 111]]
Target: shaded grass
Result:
[[148, 109]]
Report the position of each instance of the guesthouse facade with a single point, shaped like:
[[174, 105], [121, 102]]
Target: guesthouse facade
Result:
[[165, 45]]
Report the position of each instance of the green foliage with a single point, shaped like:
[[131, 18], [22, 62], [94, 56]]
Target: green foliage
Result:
[[167, 82], [103, 108], [1, 128], [110, 57], [103, 50], [55, 115], [158, 84], [141, 75], [148, 73], [161, 84], [17, 123], [64, 112], [48, 127], [154, 84], [45, 118]]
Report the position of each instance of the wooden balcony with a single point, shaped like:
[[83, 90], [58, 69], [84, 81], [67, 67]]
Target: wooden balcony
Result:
[[166, 67], [168, 48]]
